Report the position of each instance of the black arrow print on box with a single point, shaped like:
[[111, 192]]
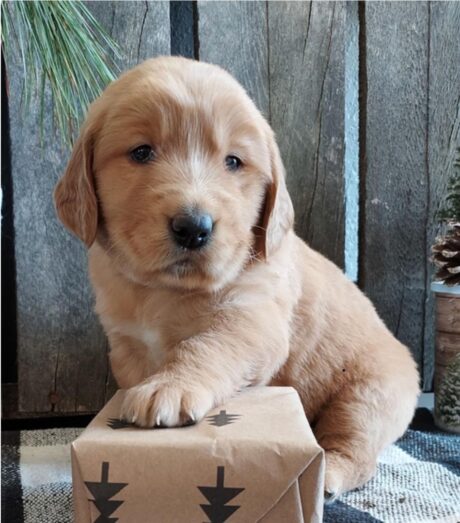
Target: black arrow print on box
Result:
[[102, 491], [221, 419], [217, 510], [218, 420], [116, 423]]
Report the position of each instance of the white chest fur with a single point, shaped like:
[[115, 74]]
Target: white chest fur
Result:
[[149, 337]]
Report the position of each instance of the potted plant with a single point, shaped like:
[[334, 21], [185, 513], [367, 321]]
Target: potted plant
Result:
[[446, 258]]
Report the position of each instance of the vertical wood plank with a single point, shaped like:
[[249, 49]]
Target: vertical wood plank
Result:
[[183, 20], [234, 36], [59, 339], [307, 74], [62, 352], [393, 261], [295, 73], [443, 138], [141, 29], [351, 141]]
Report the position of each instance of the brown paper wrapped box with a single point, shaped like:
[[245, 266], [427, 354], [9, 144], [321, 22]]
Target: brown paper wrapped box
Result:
[[255, 459]]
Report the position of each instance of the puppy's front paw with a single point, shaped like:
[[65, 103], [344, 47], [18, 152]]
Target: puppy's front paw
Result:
[[163, 401]]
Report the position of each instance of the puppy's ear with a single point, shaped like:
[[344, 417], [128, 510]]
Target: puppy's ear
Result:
[[75, 196], [277, 215]]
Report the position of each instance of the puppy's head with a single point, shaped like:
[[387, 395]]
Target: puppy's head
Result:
[[178, 176]]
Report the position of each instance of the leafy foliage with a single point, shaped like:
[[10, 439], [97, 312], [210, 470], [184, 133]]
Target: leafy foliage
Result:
[[448, 396], [62, 44], [452, 210]]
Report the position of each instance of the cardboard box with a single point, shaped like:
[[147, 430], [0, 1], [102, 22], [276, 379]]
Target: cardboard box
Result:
[[254, 459]]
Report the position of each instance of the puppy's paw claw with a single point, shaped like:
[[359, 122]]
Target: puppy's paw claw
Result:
[[161, 402]]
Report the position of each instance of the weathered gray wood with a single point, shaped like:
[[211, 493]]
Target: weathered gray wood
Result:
[[351, 132], [62, 352], [182, 16], [307, 70], [295, 73], [234, 36], [443, 137], [393, 260], [61, 349], [141, 29]]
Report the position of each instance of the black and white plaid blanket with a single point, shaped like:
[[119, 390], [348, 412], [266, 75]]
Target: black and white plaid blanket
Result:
[[418, 480]]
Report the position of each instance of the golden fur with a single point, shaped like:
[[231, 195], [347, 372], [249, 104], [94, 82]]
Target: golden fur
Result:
[[188, 329]]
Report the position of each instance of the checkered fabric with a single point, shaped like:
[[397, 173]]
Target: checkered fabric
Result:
[[418, 480], [36, 477]]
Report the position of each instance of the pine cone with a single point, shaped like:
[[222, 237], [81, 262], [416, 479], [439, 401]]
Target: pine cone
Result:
[[446, 255]]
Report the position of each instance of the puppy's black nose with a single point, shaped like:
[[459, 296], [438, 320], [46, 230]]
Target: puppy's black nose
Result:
[[192, 230]]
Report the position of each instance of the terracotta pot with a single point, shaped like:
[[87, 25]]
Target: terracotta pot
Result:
[[447, 358]]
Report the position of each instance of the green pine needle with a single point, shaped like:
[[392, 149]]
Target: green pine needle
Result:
[[451, 211], [59, 43]]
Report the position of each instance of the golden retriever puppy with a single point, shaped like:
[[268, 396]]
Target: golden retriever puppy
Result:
[[177, 187]]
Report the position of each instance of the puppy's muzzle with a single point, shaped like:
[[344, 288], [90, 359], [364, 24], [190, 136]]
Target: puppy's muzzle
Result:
[[192, 230]]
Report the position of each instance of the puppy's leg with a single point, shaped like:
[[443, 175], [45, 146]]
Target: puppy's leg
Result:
[[350, 448], [239, 348], [354, 429], [128, 360]]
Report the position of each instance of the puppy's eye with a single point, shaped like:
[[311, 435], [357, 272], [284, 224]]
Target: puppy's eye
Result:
[[142, 154], [233, 163]]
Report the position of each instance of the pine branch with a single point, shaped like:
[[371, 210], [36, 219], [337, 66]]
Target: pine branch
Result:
[[61, 44]]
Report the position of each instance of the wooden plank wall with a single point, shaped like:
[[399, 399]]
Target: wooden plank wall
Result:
[[307, 114], [61, 349], [393, 225], [290, 58], [296, 78], [412, 57]]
